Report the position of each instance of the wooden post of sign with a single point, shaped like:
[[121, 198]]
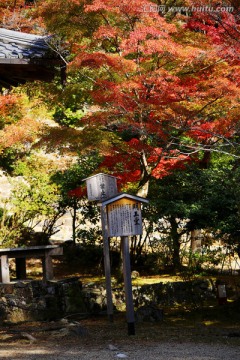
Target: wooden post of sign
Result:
[[124, 219], [128, 284], [107, 266], [100, 187]]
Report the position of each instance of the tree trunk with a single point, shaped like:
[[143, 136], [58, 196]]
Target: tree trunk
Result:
[[74, 219], [195, 240], [145, 174], [175, 236]]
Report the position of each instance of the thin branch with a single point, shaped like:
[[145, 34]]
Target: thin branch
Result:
[[54, 49]]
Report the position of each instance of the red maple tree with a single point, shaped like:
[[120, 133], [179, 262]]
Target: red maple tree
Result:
[[166, 89]]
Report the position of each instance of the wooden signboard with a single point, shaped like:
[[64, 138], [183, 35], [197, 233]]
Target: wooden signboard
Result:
[[101, 187], [124, 218]]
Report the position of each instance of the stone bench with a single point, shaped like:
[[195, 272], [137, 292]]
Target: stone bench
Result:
[[21, 254]]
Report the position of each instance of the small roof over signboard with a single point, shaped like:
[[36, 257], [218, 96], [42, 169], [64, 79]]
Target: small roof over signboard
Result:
[[124, 196]]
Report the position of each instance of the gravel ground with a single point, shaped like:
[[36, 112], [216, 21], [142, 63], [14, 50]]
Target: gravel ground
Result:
[[92, 339], [163, 351]]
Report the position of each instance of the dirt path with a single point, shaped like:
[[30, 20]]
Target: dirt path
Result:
[[96, 338]]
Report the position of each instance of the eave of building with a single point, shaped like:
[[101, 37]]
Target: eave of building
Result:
[[25, 57]]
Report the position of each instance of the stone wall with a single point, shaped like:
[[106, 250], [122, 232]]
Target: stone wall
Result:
[[36, 300], [162, 294]]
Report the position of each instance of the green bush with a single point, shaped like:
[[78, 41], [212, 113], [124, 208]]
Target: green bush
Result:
[[67, 117]]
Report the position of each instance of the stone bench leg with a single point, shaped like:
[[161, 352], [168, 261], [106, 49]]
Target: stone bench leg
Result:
[[47, 268], [5, 275]]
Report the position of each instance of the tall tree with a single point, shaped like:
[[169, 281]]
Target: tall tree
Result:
[[160, 91], [163, 87], [198, 198]]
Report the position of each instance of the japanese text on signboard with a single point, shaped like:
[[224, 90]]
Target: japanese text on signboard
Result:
[[124, 219]]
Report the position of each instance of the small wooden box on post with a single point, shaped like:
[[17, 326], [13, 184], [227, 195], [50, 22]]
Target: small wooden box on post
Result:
[[125, 219], [100, 187]]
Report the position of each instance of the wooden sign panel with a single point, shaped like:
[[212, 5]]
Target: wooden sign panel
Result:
[[101, 187], [124, 218]]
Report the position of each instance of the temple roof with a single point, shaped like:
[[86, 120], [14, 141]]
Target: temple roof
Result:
[[25, 57]]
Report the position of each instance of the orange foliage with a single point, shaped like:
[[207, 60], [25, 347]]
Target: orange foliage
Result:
[[159, 85], [24, 131], [14, 15], [7, 102]]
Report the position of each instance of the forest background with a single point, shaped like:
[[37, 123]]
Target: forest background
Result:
[[151, 96]]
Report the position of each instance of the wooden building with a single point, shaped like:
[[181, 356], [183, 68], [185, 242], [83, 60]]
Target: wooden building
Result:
[[26, 57]]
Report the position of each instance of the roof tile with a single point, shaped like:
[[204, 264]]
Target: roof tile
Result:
[[17, 50], [14, 44]]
